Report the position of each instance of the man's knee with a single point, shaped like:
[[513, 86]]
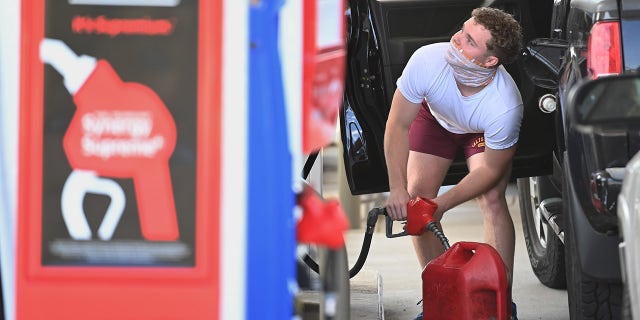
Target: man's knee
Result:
[[417, 191], [493, 200]]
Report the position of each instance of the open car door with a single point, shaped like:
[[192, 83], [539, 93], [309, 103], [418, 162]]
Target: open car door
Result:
[[382, 35]]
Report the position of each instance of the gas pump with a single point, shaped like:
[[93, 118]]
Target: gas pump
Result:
[[119, 189], [314, 62]]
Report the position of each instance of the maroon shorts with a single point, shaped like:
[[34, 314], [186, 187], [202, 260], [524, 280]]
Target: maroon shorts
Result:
[[426, 135]]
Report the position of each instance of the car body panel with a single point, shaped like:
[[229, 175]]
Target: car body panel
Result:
[[597, 251], [613, 103]]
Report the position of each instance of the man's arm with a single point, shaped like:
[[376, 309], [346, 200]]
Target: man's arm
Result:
[[396, 151], [496, 163]]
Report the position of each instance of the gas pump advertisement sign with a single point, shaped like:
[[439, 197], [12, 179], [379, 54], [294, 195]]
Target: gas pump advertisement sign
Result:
[[119, 159], [119, 131], [119, 135]]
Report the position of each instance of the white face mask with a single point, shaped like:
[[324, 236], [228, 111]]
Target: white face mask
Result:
[[467, 71]]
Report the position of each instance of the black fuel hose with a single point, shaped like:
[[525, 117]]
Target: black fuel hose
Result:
[[309, 164], [372, 218]]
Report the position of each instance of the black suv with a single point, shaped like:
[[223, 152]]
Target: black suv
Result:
[[569, 216], [568, 180]]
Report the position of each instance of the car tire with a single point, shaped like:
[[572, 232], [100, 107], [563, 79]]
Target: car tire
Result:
[[589, 298], [545, 249], [626, 304]]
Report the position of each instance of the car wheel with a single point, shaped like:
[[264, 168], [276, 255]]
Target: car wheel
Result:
[[545, 250], [588, 298]]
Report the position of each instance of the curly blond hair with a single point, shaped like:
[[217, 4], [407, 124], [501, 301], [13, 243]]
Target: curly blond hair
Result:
[[506, 33]]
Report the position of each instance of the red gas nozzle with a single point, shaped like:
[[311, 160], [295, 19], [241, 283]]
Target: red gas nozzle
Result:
[[322, 222], [121, 130], [419, 214]]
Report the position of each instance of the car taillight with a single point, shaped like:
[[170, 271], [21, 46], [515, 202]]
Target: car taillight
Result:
[[604, 52]]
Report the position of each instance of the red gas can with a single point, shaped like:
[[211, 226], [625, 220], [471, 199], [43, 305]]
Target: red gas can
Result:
[[466, 282]]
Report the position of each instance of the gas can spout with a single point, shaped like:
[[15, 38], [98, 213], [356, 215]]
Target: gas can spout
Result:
[[433, 227]]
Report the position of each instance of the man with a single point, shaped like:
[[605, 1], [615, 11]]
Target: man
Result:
[[453, 96]]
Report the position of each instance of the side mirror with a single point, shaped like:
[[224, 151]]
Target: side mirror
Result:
[[605, 102], [542, 59]]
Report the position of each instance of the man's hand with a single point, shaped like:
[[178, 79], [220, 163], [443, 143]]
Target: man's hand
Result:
[[397, 204]]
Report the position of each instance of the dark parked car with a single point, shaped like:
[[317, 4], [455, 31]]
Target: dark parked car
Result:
[[570, 215], [567, 179]]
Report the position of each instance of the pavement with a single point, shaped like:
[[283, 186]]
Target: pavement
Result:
[[389, 285]]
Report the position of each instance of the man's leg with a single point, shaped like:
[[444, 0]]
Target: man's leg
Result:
[[425, 173], [498, 225]]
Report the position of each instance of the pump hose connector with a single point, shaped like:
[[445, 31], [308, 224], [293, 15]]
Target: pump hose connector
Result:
[[433, 227]]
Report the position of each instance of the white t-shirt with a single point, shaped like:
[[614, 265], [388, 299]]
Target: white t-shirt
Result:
[[496, 110]]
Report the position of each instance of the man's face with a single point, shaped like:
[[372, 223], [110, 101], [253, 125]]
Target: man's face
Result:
[[472, 39]]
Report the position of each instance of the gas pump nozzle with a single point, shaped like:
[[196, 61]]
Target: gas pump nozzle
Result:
[[419, 219], [419, 214]]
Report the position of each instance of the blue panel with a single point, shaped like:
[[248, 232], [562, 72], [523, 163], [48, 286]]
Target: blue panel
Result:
[[271, 227]]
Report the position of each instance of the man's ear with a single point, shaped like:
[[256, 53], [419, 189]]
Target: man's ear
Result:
[[491, 61]]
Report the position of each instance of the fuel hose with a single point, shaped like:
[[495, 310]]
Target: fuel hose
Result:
[[372, 218]]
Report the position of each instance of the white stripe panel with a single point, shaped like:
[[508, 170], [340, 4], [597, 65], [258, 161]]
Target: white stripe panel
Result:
[[9, 102], [234, 158], [290, 40]]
